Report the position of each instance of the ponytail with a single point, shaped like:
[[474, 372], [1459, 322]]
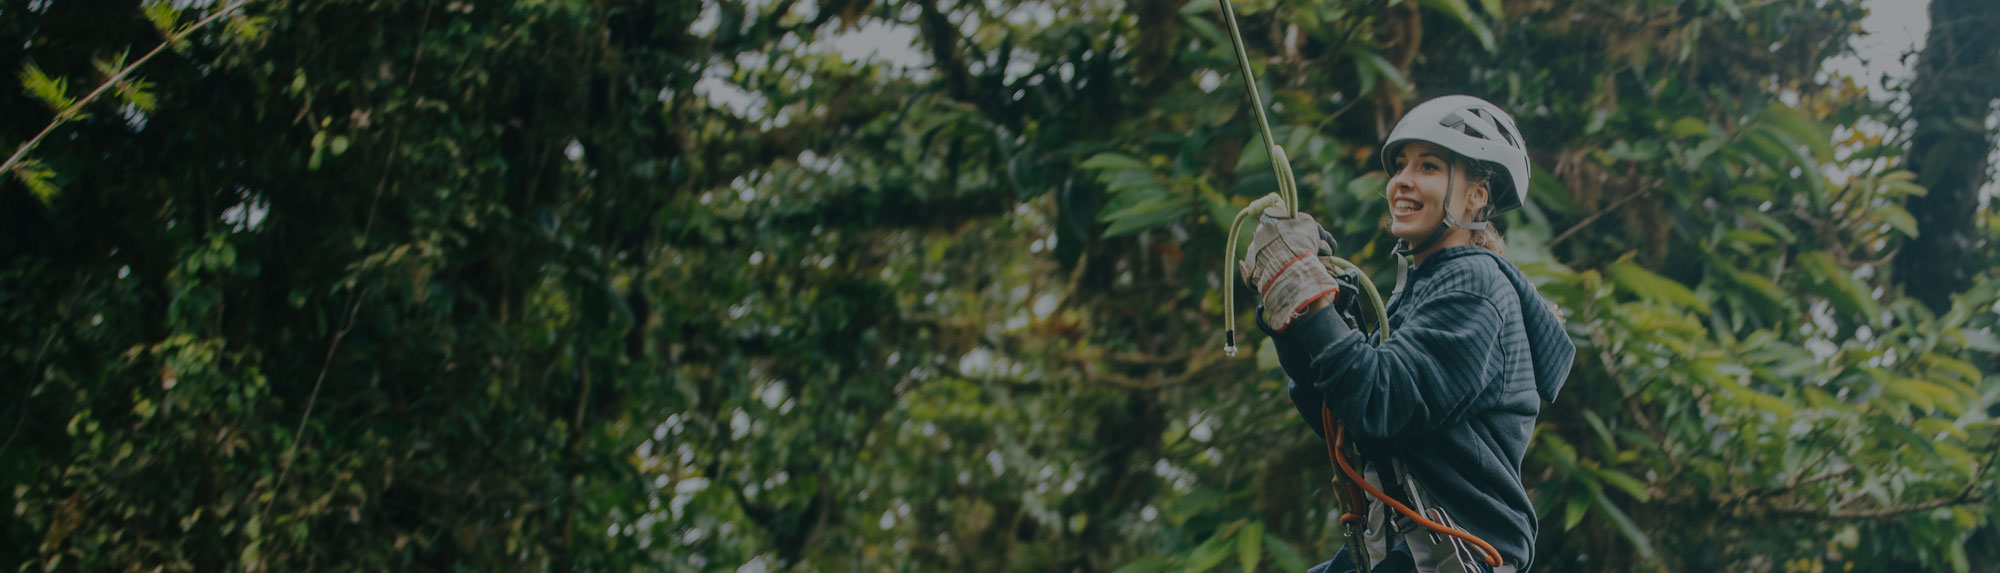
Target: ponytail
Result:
[[1490, 239]]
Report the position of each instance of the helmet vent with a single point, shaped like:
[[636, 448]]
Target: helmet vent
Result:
[[1506, 134]]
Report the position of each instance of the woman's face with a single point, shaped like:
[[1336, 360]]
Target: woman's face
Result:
[[1417, 186]]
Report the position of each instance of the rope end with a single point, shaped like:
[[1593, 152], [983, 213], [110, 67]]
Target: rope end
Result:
[[1229, 343]]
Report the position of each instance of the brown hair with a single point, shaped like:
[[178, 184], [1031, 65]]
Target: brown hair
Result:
[[1484, 173]]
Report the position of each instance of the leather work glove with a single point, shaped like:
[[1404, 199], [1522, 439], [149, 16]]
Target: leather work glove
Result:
[[1283, 264]]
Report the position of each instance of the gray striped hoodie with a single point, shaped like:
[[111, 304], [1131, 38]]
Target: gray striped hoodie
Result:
[[1473, 352]]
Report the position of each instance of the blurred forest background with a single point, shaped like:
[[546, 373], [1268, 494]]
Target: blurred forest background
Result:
[[621, 285]]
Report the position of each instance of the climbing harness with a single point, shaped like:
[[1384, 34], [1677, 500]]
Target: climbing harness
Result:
[[1349, 485]]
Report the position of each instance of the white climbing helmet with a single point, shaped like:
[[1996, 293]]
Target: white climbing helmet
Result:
[[1474, 128]]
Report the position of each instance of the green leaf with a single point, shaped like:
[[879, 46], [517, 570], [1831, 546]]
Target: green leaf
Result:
[[1208, 30], [110, 67], [1912, 391], [1626, 527], [247, 29], [1563, 453], [1759, 400], [1935, 427], [1754, 192], [319, 149], [1801, 129], [1687, 127], [138, 93], [1139, 196], [1458, 10], [1960, 562], [1603, 432], [1749, 237], [1143, 217], [1780, 151], [1644, 283], [1288, 557], [1626, 483], [1729, 7], [1255, 155], [162, 15], [1573, 511], [1267, 355], [53, 92], [1122, 181], [1839, 286], [1772, 224], [1147, 565], [1900, 183], [1112, 161], [1367, 187], [1764, 287], [1194, 503], [1211, 552], [37, 178], [1981, 340], [1898, 218], [1372, 63], [1549, 193], [1250, 545], [1941, 364]]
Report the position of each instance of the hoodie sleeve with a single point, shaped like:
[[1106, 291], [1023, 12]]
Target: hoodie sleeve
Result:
[[1297, 363], [1426, 376]]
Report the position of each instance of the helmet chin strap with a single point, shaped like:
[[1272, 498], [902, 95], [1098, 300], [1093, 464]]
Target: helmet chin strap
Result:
[[1445, 225]]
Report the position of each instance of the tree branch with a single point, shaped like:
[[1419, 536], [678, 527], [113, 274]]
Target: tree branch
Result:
[[1600, 213], [1964, 497], [66, 114]]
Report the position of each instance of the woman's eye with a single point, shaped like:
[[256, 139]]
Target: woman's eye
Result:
[[1429, 167]]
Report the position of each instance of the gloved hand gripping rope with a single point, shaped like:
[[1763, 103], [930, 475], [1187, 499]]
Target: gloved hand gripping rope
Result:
[[1283, 208]]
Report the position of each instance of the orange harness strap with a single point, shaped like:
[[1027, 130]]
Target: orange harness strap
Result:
[[1336, 436]]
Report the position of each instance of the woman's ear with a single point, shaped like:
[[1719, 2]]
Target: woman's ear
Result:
[[1475, 200]]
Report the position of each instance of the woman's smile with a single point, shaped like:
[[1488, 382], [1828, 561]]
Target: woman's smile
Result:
[[1405, 207]]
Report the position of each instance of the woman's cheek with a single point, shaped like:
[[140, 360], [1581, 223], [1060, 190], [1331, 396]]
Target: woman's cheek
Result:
[[1402, 228]]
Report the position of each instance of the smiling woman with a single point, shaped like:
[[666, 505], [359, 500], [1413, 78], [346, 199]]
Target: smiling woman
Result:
[[1442, 409]]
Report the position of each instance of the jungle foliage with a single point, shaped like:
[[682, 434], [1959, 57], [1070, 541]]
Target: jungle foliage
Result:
[[628, 285]]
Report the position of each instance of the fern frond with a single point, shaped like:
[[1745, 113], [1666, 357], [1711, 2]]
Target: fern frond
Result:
[[53, 91], [139, 93], [163, 15], [36, 177]]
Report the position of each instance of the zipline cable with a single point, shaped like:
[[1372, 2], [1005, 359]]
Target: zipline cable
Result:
[[1349, 494]]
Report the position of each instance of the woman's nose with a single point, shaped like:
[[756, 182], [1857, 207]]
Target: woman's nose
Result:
[[1400, 179]]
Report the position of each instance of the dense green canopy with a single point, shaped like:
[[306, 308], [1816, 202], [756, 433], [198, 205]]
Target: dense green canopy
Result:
[[628, 285]]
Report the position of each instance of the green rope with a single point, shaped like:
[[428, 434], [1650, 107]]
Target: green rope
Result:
[[1288, 198], [1279, 161]]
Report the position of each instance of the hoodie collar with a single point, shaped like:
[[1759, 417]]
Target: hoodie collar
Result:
[[1431, 263]]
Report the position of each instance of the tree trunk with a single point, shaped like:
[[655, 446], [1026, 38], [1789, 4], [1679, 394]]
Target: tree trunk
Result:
[[1955, 86]]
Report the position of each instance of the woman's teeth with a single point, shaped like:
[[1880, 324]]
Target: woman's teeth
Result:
[[1407, 206]]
